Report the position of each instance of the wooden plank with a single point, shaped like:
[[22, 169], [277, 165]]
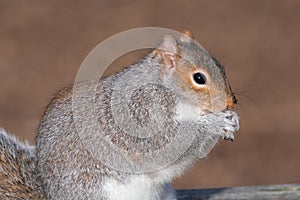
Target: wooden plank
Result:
[[271, 192]]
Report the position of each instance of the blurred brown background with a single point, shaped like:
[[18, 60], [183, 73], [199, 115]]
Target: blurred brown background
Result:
[[42, 44]]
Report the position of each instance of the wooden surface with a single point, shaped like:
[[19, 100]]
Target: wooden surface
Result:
[[272, 192]]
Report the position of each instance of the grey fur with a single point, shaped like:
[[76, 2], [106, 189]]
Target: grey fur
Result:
[[136, 112], [18, 176], [141, 99]]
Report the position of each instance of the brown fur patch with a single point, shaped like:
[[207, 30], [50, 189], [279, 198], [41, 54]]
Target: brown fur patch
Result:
[[230, 102], [188, 33], [15, 175]]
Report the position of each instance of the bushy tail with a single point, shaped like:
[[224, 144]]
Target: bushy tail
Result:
[[18, 176]]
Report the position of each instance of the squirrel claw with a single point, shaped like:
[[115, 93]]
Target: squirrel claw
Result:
[[229, 136]]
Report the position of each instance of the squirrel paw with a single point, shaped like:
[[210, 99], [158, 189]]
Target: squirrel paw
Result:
[[231, 125]]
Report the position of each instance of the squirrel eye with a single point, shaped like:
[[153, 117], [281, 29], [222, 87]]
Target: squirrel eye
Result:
[[199, 78]]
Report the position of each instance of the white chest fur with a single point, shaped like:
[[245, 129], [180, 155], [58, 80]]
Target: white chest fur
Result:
[[139, 187], [187, 112]]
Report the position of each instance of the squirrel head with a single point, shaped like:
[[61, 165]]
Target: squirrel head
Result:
[[196, 76]]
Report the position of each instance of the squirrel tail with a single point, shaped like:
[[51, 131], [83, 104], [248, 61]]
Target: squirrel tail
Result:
[[18, 175]]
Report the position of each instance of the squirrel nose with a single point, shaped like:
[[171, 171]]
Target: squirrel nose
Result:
[[231, 102]]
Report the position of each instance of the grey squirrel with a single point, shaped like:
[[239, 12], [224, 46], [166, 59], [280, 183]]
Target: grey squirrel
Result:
[[177, 91]]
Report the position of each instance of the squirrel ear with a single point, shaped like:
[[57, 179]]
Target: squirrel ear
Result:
[[186, 36], [169, 51]]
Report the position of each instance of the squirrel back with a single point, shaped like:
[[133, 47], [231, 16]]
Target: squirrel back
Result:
[[18, 176]]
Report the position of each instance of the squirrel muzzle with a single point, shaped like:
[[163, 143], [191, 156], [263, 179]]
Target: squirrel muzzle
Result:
[[231, 102]]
